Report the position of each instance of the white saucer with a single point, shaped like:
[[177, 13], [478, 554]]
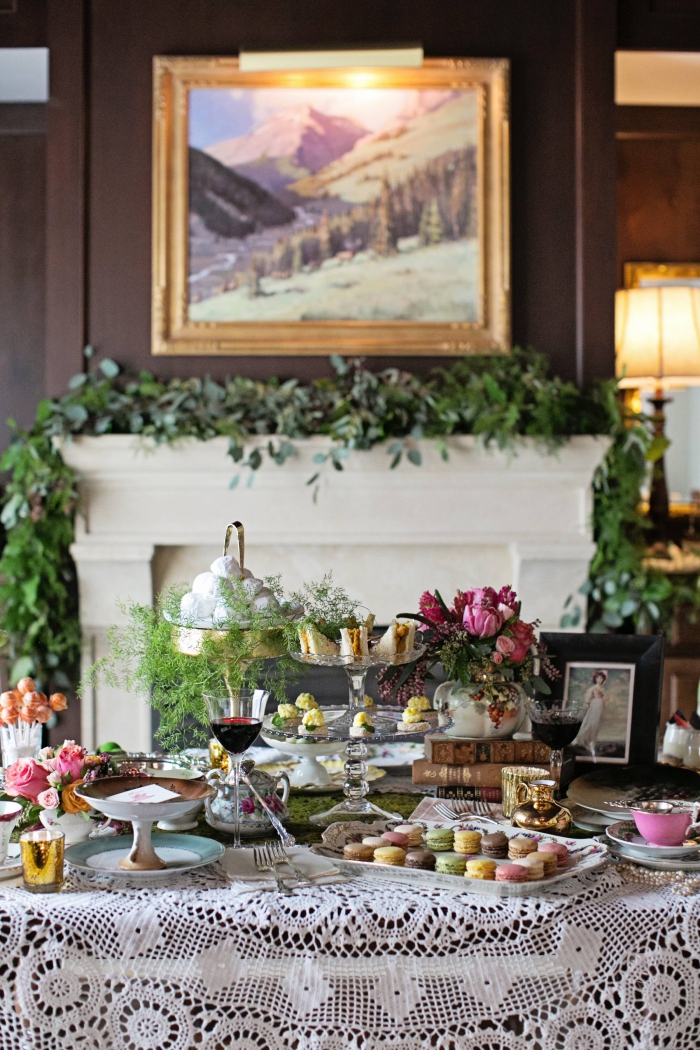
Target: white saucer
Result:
[[625, 833], [11, 866]]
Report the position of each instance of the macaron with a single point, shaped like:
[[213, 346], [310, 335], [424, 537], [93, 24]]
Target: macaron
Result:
[[395, 838], [358, 851], [451, 864], [420, 858], [560, 851], [511, 873], [439, 838], [392, 856], [467, 841], [413, 832], [549, 861], [481, 868], [374, 840], [495, 845], [533, 867], [520, 847]]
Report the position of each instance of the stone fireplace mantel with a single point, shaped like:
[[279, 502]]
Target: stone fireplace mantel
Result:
[[155, 516]]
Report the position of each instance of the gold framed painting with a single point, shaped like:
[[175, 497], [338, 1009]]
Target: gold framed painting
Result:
[[661, 275], [331, 211]]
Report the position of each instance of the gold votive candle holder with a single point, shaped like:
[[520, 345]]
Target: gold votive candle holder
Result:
[[511, 777], [218, 756], [42, 859]]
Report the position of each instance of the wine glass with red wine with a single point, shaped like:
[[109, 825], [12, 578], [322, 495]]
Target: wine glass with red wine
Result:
[[235, 721], [556, 725]]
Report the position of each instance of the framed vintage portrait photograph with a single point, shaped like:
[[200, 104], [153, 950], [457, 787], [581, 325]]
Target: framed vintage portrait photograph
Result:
[[331, 211], [619, 679]]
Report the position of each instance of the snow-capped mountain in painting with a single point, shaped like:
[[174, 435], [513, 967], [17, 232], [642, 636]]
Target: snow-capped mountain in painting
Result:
[[300, 136]]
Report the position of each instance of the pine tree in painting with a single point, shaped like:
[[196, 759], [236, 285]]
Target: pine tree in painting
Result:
[[431, 229]]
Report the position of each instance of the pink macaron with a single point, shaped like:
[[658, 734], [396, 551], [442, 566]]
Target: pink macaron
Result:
[[560, 851], [395, 838], [511, 873]]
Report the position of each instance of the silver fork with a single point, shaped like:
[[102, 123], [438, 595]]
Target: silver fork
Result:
[[462, 809], [280, 856], [263, 862]]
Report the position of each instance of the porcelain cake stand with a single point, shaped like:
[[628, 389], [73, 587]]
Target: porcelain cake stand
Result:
[[355, 805]]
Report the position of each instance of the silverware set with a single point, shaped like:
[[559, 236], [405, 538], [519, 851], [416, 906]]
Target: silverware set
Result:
[[459, 808]]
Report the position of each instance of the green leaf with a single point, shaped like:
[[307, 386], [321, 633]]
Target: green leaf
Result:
[[21, 668], [414, 457], [656, 448], [540, 685], [109, 367]]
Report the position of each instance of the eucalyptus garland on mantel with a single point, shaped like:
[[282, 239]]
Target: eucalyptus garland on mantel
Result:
[[501, 399]]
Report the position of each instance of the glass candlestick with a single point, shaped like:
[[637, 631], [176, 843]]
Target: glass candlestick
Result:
[[42, 860]]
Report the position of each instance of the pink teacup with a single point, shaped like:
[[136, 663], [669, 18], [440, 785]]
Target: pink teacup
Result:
[[662, 823]]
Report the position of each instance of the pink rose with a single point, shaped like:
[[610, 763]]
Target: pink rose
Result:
[[54, 778], [27, 778], [49, 799], [505, 645], [483, 621], [248, 804], [69, 761], [497, 658], [523, 636]]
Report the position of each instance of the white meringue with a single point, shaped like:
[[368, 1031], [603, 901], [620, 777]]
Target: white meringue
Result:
[[195, 607], [226, 566], [252, 586], [207, 584], [265, 601]]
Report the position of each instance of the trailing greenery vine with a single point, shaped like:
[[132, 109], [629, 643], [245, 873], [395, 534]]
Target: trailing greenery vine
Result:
[[500, 399]]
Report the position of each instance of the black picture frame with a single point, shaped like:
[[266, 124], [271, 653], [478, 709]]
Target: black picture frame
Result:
[[646, 653]]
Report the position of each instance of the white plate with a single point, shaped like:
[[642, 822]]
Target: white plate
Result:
[[592, 854], [625, 833], [654, 863], [11, 867], [239, 864], [180, 852]]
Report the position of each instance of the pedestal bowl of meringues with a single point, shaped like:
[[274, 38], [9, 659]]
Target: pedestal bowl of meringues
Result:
[[142, 801]]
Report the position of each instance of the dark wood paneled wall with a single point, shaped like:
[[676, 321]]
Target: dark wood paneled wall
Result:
[[562, 57], [658, 184], [22, 255]]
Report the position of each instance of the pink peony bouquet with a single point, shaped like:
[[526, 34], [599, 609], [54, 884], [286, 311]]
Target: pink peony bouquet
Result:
[[480, 638], [49, 781]]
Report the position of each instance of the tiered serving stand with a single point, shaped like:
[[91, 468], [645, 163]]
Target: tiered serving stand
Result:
[[385, 720]]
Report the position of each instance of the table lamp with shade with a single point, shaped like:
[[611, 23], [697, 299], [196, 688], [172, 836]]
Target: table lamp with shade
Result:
[[657, 347]]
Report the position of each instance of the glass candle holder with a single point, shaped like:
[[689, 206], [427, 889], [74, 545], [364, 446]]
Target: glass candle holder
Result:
[[42, 860]]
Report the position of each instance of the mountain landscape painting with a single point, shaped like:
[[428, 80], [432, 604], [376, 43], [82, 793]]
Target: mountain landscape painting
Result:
[[334, 204]]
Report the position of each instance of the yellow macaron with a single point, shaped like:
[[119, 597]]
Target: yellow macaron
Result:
[[394, 856], [549, 862], [481, 868], [467, 841]]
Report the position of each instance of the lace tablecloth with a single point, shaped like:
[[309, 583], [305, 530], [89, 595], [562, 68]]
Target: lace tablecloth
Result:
[[361, 964]]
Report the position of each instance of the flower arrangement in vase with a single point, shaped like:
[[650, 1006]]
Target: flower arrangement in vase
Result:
[[46, 785], [23, 712], [488, 653]]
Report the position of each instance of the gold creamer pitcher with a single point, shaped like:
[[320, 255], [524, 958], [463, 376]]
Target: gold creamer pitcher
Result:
[[537, 810]]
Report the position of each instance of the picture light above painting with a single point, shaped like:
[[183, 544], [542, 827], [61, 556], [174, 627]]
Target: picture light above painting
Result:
[[358, 210]]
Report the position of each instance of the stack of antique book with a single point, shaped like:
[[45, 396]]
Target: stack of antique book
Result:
[[471, 769]]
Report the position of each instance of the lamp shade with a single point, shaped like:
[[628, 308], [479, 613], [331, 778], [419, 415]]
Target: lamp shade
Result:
[[657, 337]]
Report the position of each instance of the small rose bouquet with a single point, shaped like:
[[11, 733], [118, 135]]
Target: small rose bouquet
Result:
[[480, 639], [50, 780]]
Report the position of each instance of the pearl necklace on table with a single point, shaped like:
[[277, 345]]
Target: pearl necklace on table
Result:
[[681, 883]]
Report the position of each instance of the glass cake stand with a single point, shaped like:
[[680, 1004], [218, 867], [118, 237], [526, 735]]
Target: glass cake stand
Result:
[[355, 805], [356, 668]]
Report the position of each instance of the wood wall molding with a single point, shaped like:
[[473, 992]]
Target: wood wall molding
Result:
[[66, 190]]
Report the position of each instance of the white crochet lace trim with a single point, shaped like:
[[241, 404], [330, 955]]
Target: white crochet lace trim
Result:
[[353, 966]]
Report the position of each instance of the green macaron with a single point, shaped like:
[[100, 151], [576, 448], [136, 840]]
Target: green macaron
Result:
[[451, 864], [439, 838]]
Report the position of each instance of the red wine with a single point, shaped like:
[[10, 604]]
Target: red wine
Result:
[[557, 734], [236, 734]]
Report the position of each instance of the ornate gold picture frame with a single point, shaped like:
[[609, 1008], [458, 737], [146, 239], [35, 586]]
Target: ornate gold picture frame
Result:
[[655, 275], [357, 211]]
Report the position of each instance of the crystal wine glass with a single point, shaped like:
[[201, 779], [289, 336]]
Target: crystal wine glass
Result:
[[235, 721], [557, 724]]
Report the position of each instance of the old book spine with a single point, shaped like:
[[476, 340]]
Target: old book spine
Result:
[[471, 794], [481, 774], [455, 752]]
